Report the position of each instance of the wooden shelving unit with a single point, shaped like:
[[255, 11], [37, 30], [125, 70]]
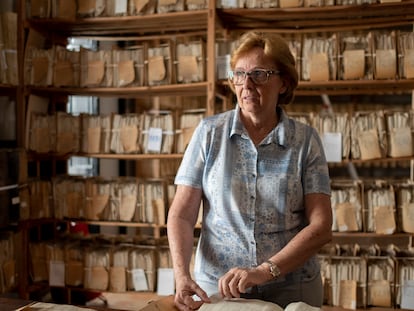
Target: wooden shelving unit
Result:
[[211, 23]]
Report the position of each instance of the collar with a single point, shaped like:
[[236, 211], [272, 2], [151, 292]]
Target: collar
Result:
[[279, 134]]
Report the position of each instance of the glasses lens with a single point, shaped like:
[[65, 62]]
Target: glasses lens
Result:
[[238, 77], [258, 76]]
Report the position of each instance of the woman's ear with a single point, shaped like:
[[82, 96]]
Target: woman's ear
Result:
[[282, 89]]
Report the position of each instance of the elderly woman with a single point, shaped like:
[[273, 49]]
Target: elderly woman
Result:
[[264, 183]]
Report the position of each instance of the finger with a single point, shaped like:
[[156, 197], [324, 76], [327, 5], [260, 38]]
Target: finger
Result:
[[234, 286]]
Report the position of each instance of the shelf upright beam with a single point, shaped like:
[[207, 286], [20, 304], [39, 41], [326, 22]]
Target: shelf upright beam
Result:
[[211, 58], [20, 98]]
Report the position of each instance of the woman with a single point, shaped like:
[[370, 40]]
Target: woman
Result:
[[264, 183]]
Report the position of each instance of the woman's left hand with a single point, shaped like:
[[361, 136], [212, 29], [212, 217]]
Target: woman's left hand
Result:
[[238, 280]]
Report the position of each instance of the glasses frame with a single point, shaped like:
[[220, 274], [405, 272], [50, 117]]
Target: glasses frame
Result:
[[249, 74]]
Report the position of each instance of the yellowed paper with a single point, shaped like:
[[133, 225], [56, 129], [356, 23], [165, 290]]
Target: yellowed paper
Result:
[[354, 64], [409, 63], [63, 74], [369, 145], [126, 72], [86, 6], [67, 9], [97, 278], [40, 69], [97, 206], [117, 282], [129, 136], [96, 72], [74, 273], [347, 294], [127, 208], [140, 4], [187, 68], [156, 68], [159, 210], [289, 3], [345, 217], [408, 217], [319, 67], [384, 219], [385, 64], [41, 140], [401, 144], [380, 293], [94, 139], [166, 2]]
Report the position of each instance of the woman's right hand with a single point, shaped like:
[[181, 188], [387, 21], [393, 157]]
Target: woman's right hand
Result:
[[186, 288]]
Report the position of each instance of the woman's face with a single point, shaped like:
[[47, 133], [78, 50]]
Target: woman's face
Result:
[[259, 100]]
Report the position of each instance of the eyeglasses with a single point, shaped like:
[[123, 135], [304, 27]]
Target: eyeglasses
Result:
[[258, 76]]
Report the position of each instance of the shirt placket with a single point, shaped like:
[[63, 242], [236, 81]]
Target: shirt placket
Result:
[[251, 171]]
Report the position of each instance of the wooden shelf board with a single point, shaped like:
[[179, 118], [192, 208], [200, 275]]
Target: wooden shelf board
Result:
[[190, 89], [330, 18], [142, 24]]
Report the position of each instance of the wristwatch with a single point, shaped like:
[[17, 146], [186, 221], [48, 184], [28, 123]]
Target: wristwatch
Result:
[[273, 269]]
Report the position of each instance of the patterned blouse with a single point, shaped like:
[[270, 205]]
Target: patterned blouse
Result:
[[253, 196]]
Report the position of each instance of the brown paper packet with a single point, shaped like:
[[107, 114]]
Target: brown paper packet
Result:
[[94, 139], [409, 63], [95, 72], [129, 137], [369, 144], [384, 217], [354, 64], [380, 293], [96, 278], [74, 273], [118, 280], [319, 67], [408, 217], [127, 207], [348, 294], [126, 72], [156, 69], [385, 64], [289, 3], [401, 144], [345, 217]]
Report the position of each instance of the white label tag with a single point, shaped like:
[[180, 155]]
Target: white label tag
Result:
[[407, 298], [332, 144], [165, 282], [56, 273], [154, 139], [120, 6], [139, 280]]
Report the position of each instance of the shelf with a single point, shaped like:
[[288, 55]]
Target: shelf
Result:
[[190, 89], [368, 238], [326, 18], [346, 87], [164, 23], [115, 223], [32, 156]]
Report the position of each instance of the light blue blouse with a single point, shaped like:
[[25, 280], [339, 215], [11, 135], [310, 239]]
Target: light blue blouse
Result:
[[253, 196]]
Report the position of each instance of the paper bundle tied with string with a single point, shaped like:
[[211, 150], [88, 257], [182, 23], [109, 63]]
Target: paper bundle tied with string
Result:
[[74, 273], [96, 278], [380, 293], [346, 217], [369, 145], [385, 55], [354, 64], [384, 219]]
